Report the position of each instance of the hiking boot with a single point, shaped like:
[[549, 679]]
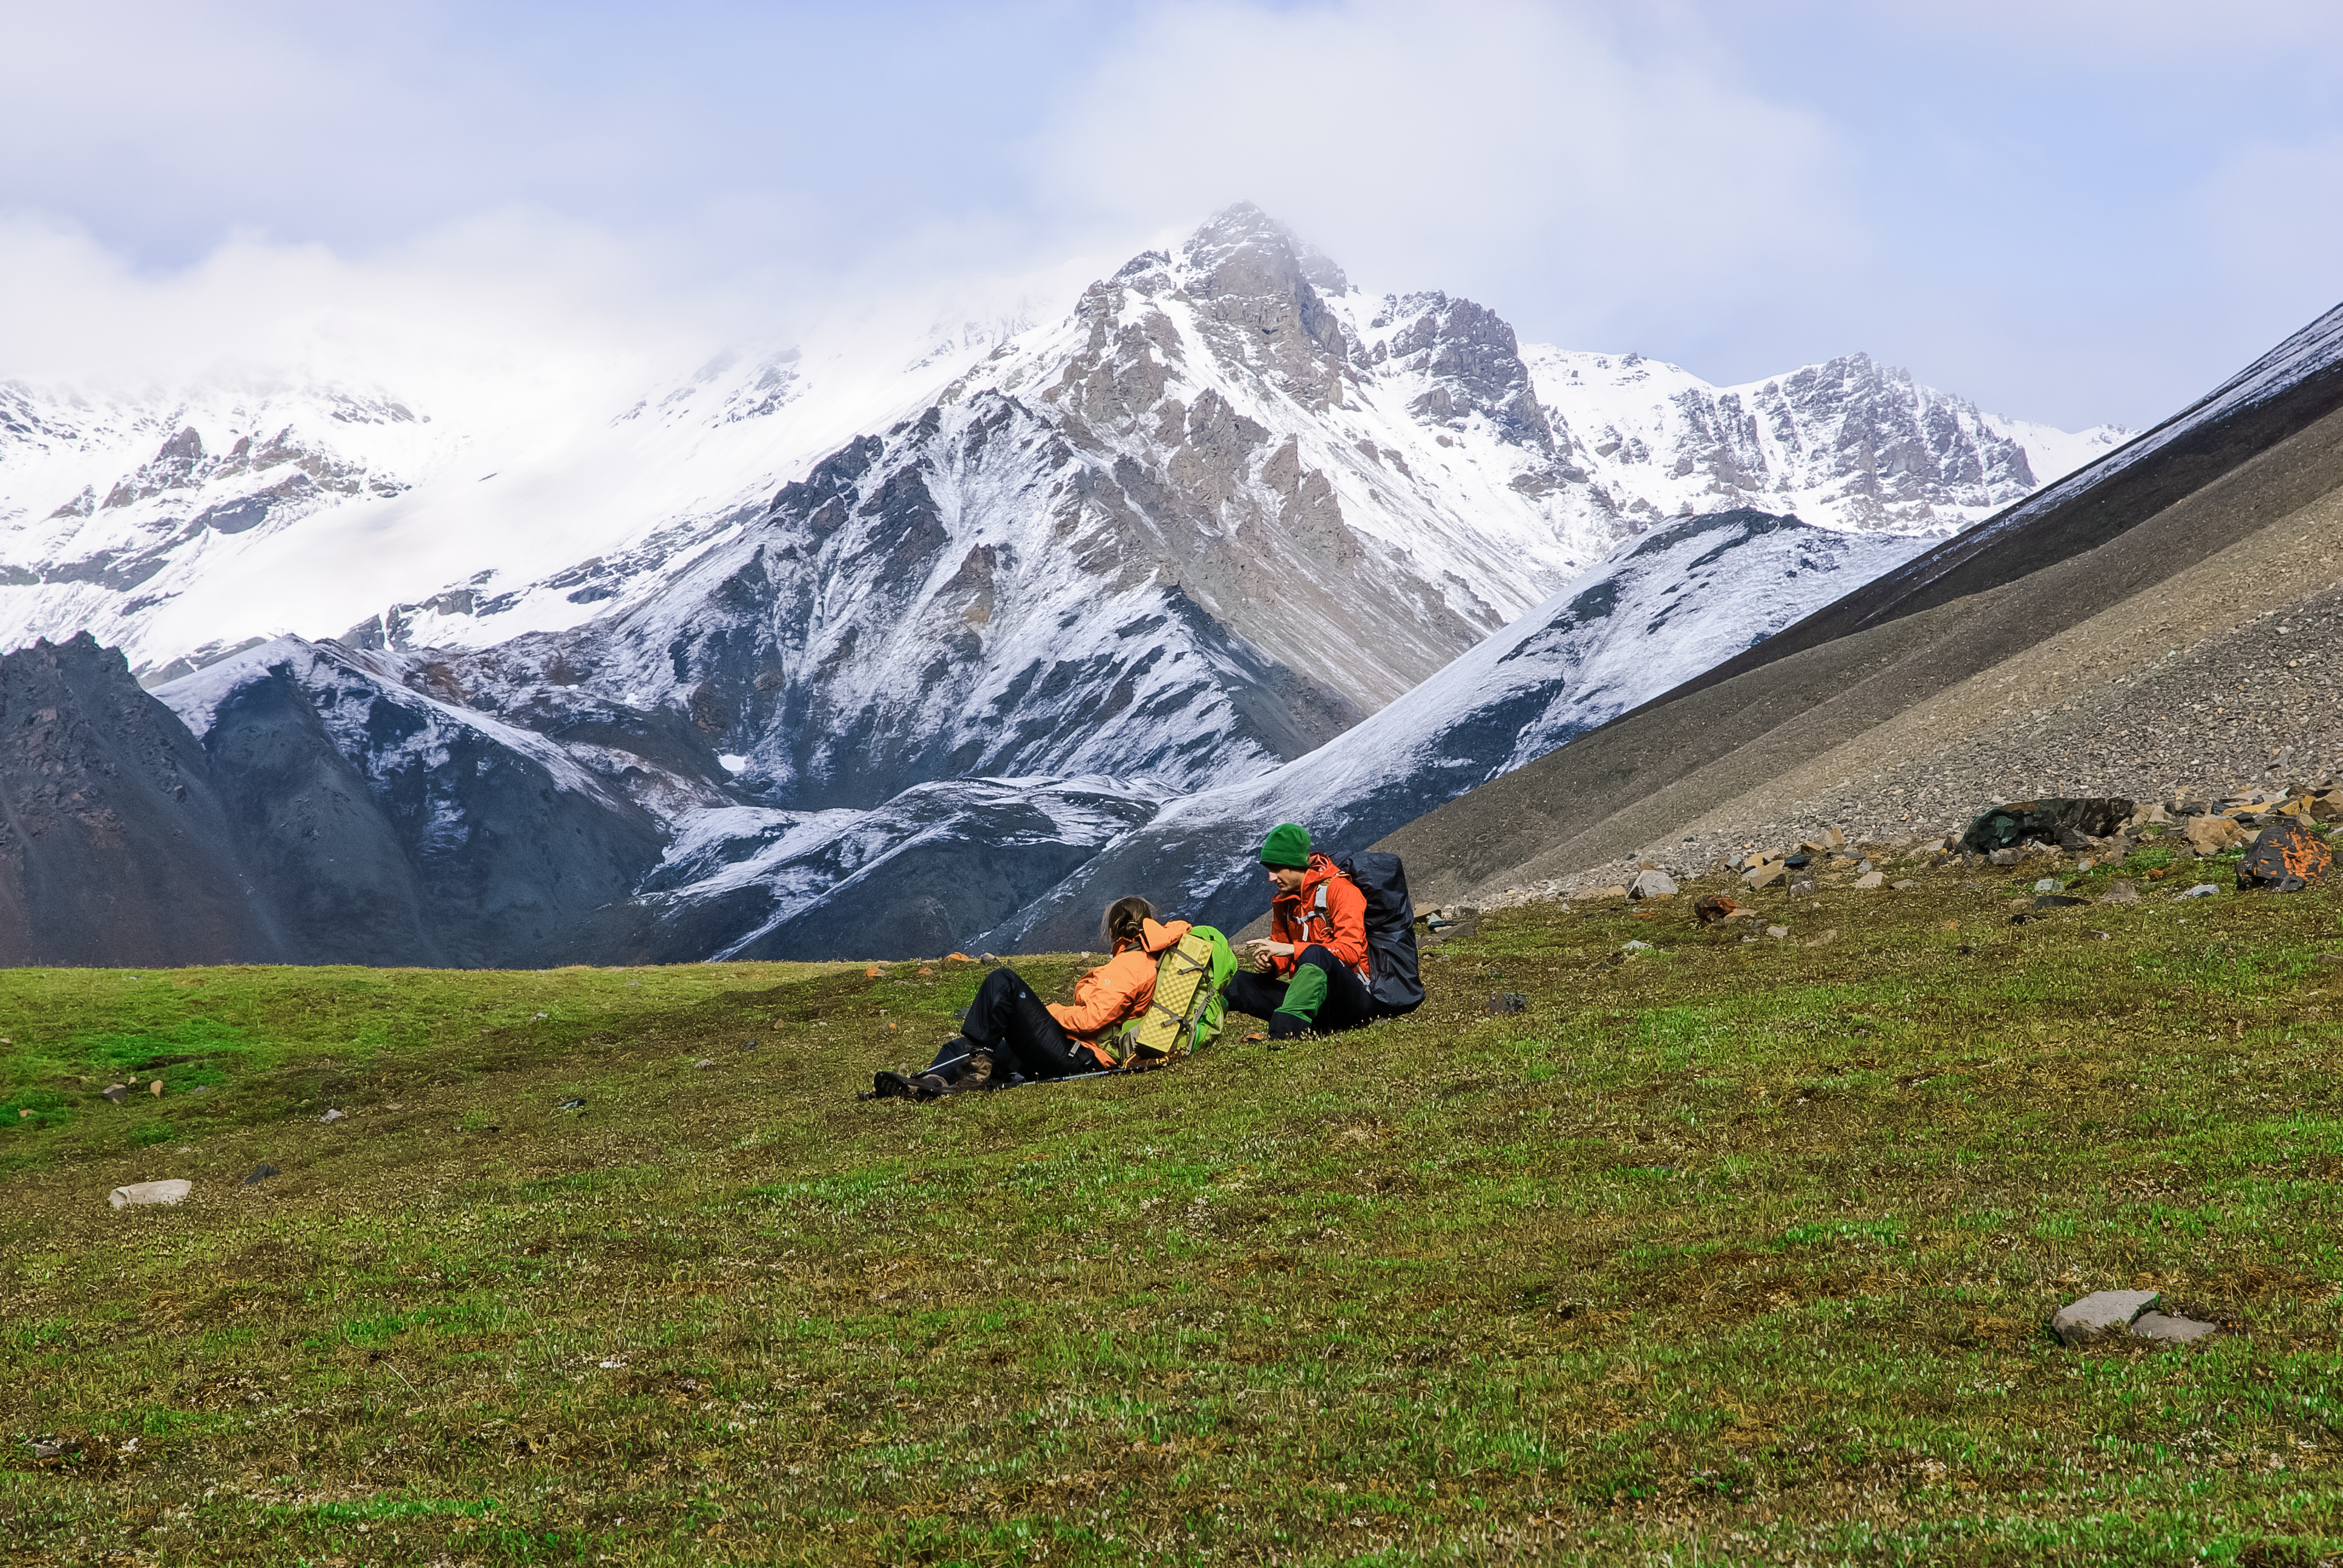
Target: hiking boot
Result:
[[930, 1086], [1286, 1026], [891, 1086]]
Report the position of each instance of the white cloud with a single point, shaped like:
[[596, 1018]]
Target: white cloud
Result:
[[1519, 152]]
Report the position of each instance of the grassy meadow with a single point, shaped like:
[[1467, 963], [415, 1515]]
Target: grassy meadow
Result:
[[1717, 1253]]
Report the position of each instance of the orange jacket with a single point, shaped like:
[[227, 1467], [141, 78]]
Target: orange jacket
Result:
[[1293, 918], [1119, 989]]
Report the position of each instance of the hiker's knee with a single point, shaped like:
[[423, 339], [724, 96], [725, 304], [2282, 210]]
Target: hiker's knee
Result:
[[1000, 982], [1316, 955]]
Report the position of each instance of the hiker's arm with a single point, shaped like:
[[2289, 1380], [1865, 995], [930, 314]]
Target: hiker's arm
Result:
[[1097, 1006], [1347, 914]]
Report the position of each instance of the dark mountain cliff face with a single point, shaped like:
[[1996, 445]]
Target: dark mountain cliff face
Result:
[[393, 828], [115, 846], [328, 815]]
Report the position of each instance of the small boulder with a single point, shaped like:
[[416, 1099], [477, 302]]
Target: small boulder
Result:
[[1823, 940], [2100, 1314], [1614, 892], [144, 1192], [2201, 891], [260, 1172], [1714, 909], [1906, 885], [2120, 893], [1802, 887], [1777, 932], [331, 1117], [156, 1089], [2006, 826], [2058, 901], [2049, 885], [2287, 857], [1652, 884], [1764, 876], [2211, 835], [1871, 880], [116, 1093], [2170, 1329]]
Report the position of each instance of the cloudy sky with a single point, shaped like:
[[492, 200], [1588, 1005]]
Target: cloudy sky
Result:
[[2074, 213]]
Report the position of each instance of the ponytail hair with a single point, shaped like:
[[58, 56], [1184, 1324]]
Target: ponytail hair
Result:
[[1126, 920]]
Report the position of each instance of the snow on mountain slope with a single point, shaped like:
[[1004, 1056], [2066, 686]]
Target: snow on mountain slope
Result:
[[180, 525], [1848, 443], [1474, 468], [111, 508], [1006, 863], [2052, 454], [913, 875], [1681, 599], [1222, 510]]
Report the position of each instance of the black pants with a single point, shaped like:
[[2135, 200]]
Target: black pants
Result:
[[1008, 1022], [1346, 1002]]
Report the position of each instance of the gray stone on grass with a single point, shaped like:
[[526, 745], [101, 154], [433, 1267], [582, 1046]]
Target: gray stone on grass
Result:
[[260, 1172], [2171, 1330], [1764, 876], [2201, 891], [1652, 885], [142, 1192], [332, 1115], [2049, 885], [1871, 878], [2100, 1314], [2120, 893]]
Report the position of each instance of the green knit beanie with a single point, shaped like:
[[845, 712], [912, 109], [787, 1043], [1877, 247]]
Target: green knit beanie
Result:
[[1288, 845]]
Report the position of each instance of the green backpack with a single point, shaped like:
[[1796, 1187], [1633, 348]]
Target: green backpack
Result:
[[1184, 1014]]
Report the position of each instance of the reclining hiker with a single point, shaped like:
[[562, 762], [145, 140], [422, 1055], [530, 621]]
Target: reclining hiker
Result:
[[1322, 970], [1011, 1036]]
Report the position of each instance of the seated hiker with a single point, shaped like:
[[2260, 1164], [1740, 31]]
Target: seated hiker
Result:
[[1314, 961], [1011, 1035]]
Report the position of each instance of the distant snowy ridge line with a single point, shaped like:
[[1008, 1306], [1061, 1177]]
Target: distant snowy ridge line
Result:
[[174, 574]]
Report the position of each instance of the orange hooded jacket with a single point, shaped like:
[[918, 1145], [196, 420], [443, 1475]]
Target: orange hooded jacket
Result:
[[1120, 988], [1343, 931]]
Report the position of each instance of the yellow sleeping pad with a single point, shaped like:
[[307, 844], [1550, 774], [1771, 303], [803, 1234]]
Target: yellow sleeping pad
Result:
[[1183, 988]]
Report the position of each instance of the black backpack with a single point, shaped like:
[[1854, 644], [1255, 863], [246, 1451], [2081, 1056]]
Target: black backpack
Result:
[[1392, 977]]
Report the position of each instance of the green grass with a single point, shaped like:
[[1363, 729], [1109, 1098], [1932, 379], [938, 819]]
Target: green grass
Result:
[[1741, 1249]]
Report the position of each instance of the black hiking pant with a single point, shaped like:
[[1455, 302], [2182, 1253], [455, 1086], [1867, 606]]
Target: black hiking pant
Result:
[[1008, 1022], [1329, 998]]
